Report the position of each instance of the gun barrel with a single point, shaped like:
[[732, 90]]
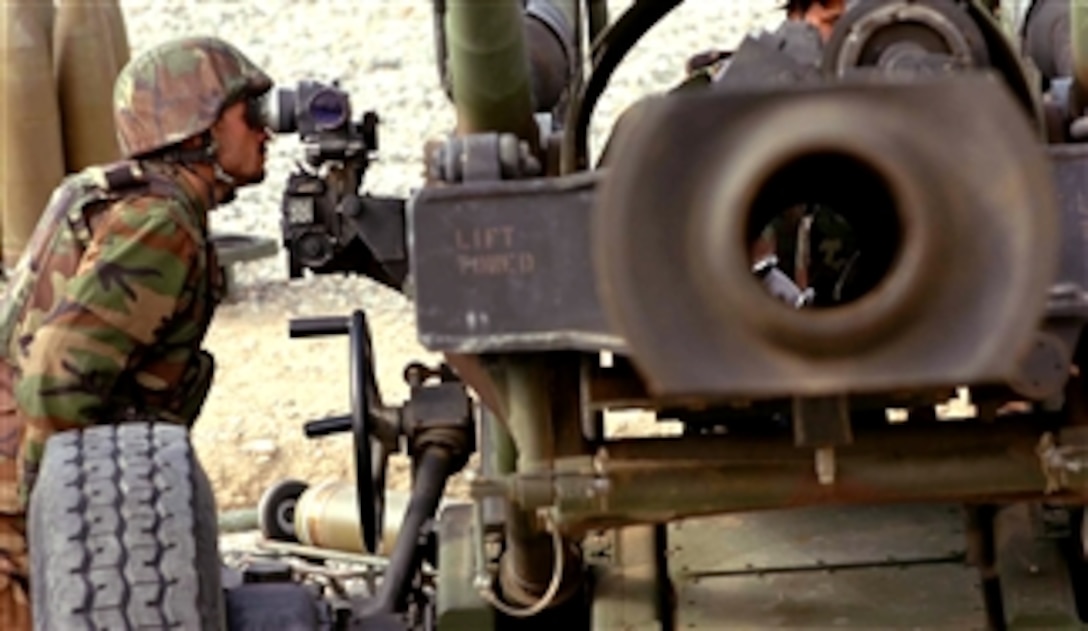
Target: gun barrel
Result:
[[939, 237]]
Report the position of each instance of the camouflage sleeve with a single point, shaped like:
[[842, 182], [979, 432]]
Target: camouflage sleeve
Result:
[[127, 286]]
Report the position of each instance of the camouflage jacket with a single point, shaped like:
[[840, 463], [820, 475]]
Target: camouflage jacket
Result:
[[106, 312]]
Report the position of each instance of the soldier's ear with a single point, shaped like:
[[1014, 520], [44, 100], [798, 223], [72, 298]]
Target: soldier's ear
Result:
[[216, 130]]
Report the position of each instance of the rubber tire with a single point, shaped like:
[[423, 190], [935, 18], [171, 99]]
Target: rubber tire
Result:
[[123, 533], [1047, 38], [271, 510]]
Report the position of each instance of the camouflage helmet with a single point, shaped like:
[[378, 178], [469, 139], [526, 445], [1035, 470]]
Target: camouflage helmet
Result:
[[178, 89]]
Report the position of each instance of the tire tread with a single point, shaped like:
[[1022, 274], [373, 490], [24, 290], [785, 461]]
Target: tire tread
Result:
[[122, 532]]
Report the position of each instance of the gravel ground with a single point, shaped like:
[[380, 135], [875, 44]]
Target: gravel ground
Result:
[[380, 50]]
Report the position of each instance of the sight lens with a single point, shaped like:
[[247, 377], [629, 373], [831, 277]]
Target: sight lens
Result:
[[328, 109]]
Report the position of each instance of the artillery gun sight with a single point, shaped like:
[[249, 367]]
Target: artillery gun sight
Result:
[[329, 225]]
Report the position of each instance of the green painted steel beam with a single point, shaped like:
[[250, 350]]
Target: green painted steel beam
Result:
[[489, 68]]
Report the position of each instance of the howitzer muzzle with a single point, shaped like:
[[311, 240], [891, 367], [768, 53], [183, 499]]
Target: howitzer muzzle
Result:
[[950, 206]]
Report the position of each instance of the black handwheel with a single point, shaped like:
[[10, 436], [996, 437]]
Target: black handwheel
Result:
[[370, 454]]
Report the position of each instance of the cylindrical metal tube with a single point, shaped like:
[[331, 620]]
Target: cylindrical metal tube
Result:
[[502, 456], [433, 470], [31, 147], [551, 69], [90, 47], [570, 9], [598, 18], [529, 419], [1078, 24], [327, 516], [498, 457], [649, 481], [552, 36], [492, 88], [528, 563]]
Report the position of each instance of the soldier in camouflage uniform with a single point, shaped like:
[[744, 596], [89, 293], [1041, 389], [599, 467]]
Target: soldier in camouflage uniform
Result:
[[814, 246], [105, 314], [819, 14]]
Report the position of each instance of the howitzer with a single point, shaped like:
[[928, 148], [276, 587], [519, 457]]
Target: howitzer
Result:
[[912, 187], [795, 255]]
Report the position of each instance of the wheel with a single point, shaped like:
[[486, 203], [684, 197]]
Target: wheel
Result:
[[276, 510], [371, 455], [123, 532], [1048, 38]]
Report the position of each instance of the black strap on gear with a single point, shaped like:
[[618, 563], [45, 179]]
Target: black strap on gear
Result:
[[112, 182], [107, 184], [122, 176]]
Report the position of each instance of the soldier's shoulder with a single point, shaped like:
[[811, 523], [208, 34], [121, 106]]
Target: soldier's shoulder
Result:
[[157, 222], [150, 210], [148, 204]]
